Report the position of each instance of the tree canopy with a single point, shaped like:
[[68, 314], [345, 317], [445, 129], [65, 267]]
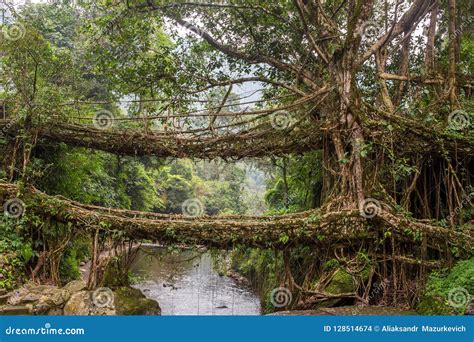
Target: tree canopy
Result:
[[350, 106]]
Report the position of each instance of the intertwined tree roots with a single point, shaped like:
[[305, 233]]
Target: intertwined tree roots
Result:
[[312, 228]]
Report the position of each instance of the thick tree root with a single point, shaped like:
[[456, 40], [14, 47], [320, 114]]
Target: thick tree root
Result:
[[310, 228]]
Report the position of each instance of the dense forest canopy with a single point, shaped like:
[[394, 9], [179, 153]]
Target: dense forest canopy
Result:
[[245, 107]]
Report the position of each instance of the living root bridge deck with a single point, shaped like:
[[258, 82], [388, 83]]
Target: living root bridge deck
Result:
[[310, 228]]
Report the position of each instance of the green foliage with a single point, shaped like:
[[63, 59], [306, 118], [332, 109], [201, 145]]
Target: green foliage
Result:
[[264, 268], [79, 175], [220, 193], [99, 178], [69, 266], [26, 253], [115, 274], [448, 287], [175, 187], [224, 198], [15, 251], [134, 278], [341, 282], [296, 185], [330, 265]]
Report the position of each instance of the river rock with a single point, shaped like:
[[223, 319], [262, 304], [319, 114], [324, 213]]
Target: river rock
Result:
[[107, 311], [14, 310], [75, 286], [22, 296], [30, 293], [341, 282], [131, 301], [55, 312], [79, 304], [58, 297], [74, 299]]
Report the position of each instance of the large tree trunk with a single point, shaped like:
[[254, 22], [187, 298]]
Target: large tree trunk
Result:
[[452, 52]]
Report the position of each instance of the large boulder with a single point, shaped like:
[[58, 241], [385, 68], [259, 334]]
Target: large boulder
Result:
[[79, 304], [74, 299], [131, 301], [53, 300], [15, 310], [22, 295], [55, 312], [84, 303], [341, 282], [103, 302], [57, 297], [75, 286], [42, 297]]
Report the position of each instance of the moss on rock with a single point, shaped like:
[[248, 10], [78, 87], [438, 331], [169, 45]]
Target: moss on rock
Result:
[[341, 282], [131, 301]]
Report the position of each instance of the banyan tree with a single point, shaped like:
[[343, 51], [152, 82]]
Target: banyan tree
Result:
[[382, 88]]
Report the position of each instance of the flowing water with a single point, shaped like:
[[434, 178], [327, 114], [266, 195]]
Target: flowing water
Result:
[[186, 283]]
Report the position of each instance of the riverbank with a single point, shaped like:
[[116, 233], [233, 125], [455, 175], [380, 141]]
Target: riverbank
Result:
[[75, 299]]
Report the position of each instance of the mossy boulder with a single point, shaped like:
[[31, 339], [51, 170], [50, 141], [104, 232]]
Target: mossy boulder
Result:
[[55, 299], [340, 283], [131, 301], [75, 286], [84, 303], [79, 304]]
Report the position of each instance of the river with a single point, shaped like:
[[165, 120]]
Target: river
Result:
[[185, 282]]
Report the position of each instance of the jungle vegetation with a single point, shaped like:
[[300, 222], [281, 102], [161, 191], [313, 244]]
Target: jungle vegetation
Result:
[[323, 142]]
